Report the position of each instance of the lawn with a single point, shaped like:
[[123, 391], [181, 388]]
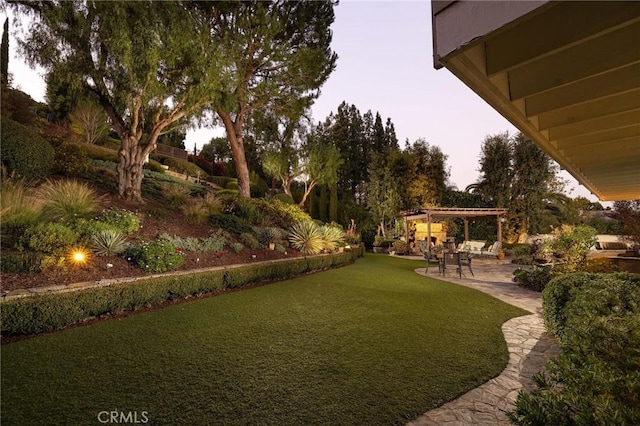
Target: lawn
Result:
[[371, 343]]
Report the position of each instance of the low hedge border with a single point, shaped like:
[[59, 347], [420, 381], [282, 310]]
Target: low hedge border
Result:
[[43, 313]]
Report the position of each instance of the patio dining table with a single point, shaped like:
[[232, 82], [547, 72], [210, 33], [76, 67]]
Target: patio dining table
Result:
[[456, 259]]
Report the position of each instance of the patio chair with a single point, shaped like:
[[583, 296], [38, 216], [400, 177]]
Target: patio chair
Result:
[[465, 260], [429, 255]]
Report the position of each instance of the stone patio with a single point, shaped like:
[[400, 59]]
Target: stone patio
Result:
[[529, 349]]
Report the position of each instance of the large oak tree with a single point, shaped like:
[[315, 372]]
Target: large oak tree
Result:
[[149, 65]]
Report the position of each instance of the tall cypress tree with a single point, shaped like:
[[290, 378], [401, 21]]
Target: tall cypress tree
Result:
[[4, 54]]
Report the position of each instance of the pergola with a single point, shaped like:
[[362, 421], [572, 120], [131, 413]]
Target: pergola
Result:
[[464, 213]]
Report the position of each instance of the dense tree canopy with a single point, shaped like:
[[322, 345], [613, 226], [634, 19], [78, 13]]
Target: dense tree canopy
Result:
[[276, 56], [149, 64]]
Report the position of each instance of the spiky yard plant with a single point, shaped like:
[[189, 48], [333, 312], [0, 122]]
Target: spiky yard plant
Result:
[[213, 204], [267, 235], [108, 242], [18, 210], [332, 237], [306, 237], [195, 212], [67, 199]]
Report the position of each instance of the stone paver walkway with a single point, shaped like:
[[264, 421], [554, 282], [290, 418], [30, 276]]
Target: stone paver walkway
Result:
[[529, 350]]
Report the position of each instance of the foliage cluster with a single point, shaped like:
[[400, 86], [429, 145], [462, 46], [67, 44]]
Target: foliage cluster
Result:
[[158, 256], [309, 238], [70, 160], [535, 280], [48, 237], [67, 199], [25, 153], [122, 220], [596, 377], [215, 243], [571, 244], [19, 209], [184, 167], [46, 313], [108, 242], [400, 247], [230, 223]]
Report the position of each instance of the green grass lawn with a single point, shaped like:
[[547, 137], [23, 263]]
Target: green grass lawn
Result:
[[371, 343]]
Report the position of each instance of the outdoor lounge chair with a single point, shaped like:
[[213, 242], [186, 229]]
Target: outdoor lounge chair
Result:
[[493, 250]]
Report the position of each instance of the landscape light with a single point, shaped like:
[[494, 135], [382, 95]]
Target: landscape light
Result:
[[79, 257]]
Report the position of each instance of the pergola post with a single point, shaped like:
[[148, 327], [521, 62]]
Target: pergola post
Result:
[[466, 229], [429, 231], [499, 228]]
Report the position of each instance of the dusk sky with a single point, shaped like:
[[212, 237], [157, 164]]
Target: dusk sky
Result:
[[385, 64]]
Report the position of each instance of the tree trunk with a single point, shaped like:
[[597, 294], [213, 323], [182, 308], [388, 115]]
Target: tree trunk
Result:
[[236, 141], [306, 194], [129, 169]]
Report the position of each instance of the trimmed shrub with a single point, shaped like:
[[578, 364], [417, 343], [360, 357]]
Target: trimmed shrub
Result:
[[237, 247], [182, 166], [535, 280], [20, 262], [557, 294], [154, 166], [230, 223], [249, 240], [67, 199], [24, 151], [49, 237], [158, 256], [87, 228], [596, 377], [101, 153], [70, 160], [45, 313], [306, 237], [122, 220]]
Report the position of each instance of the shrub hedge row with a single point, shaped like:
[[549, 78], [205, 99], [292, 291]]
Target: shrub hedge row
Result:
[[49, 312]]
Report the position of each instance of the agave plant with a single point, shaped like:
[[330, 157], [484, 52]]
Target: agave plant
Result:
[[267, 235], [306, 237], [108, 242], [332, 237]]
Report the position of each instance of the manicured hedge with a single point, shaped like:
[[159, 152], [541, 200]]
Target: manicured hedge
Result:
[[596, 378], [24, 151], [49, 312], [562, 290]]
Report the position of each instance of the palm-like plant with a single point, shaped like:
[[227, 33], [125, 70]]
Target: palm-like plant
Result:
[[332, 237], [108, 242], [306, 237]]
